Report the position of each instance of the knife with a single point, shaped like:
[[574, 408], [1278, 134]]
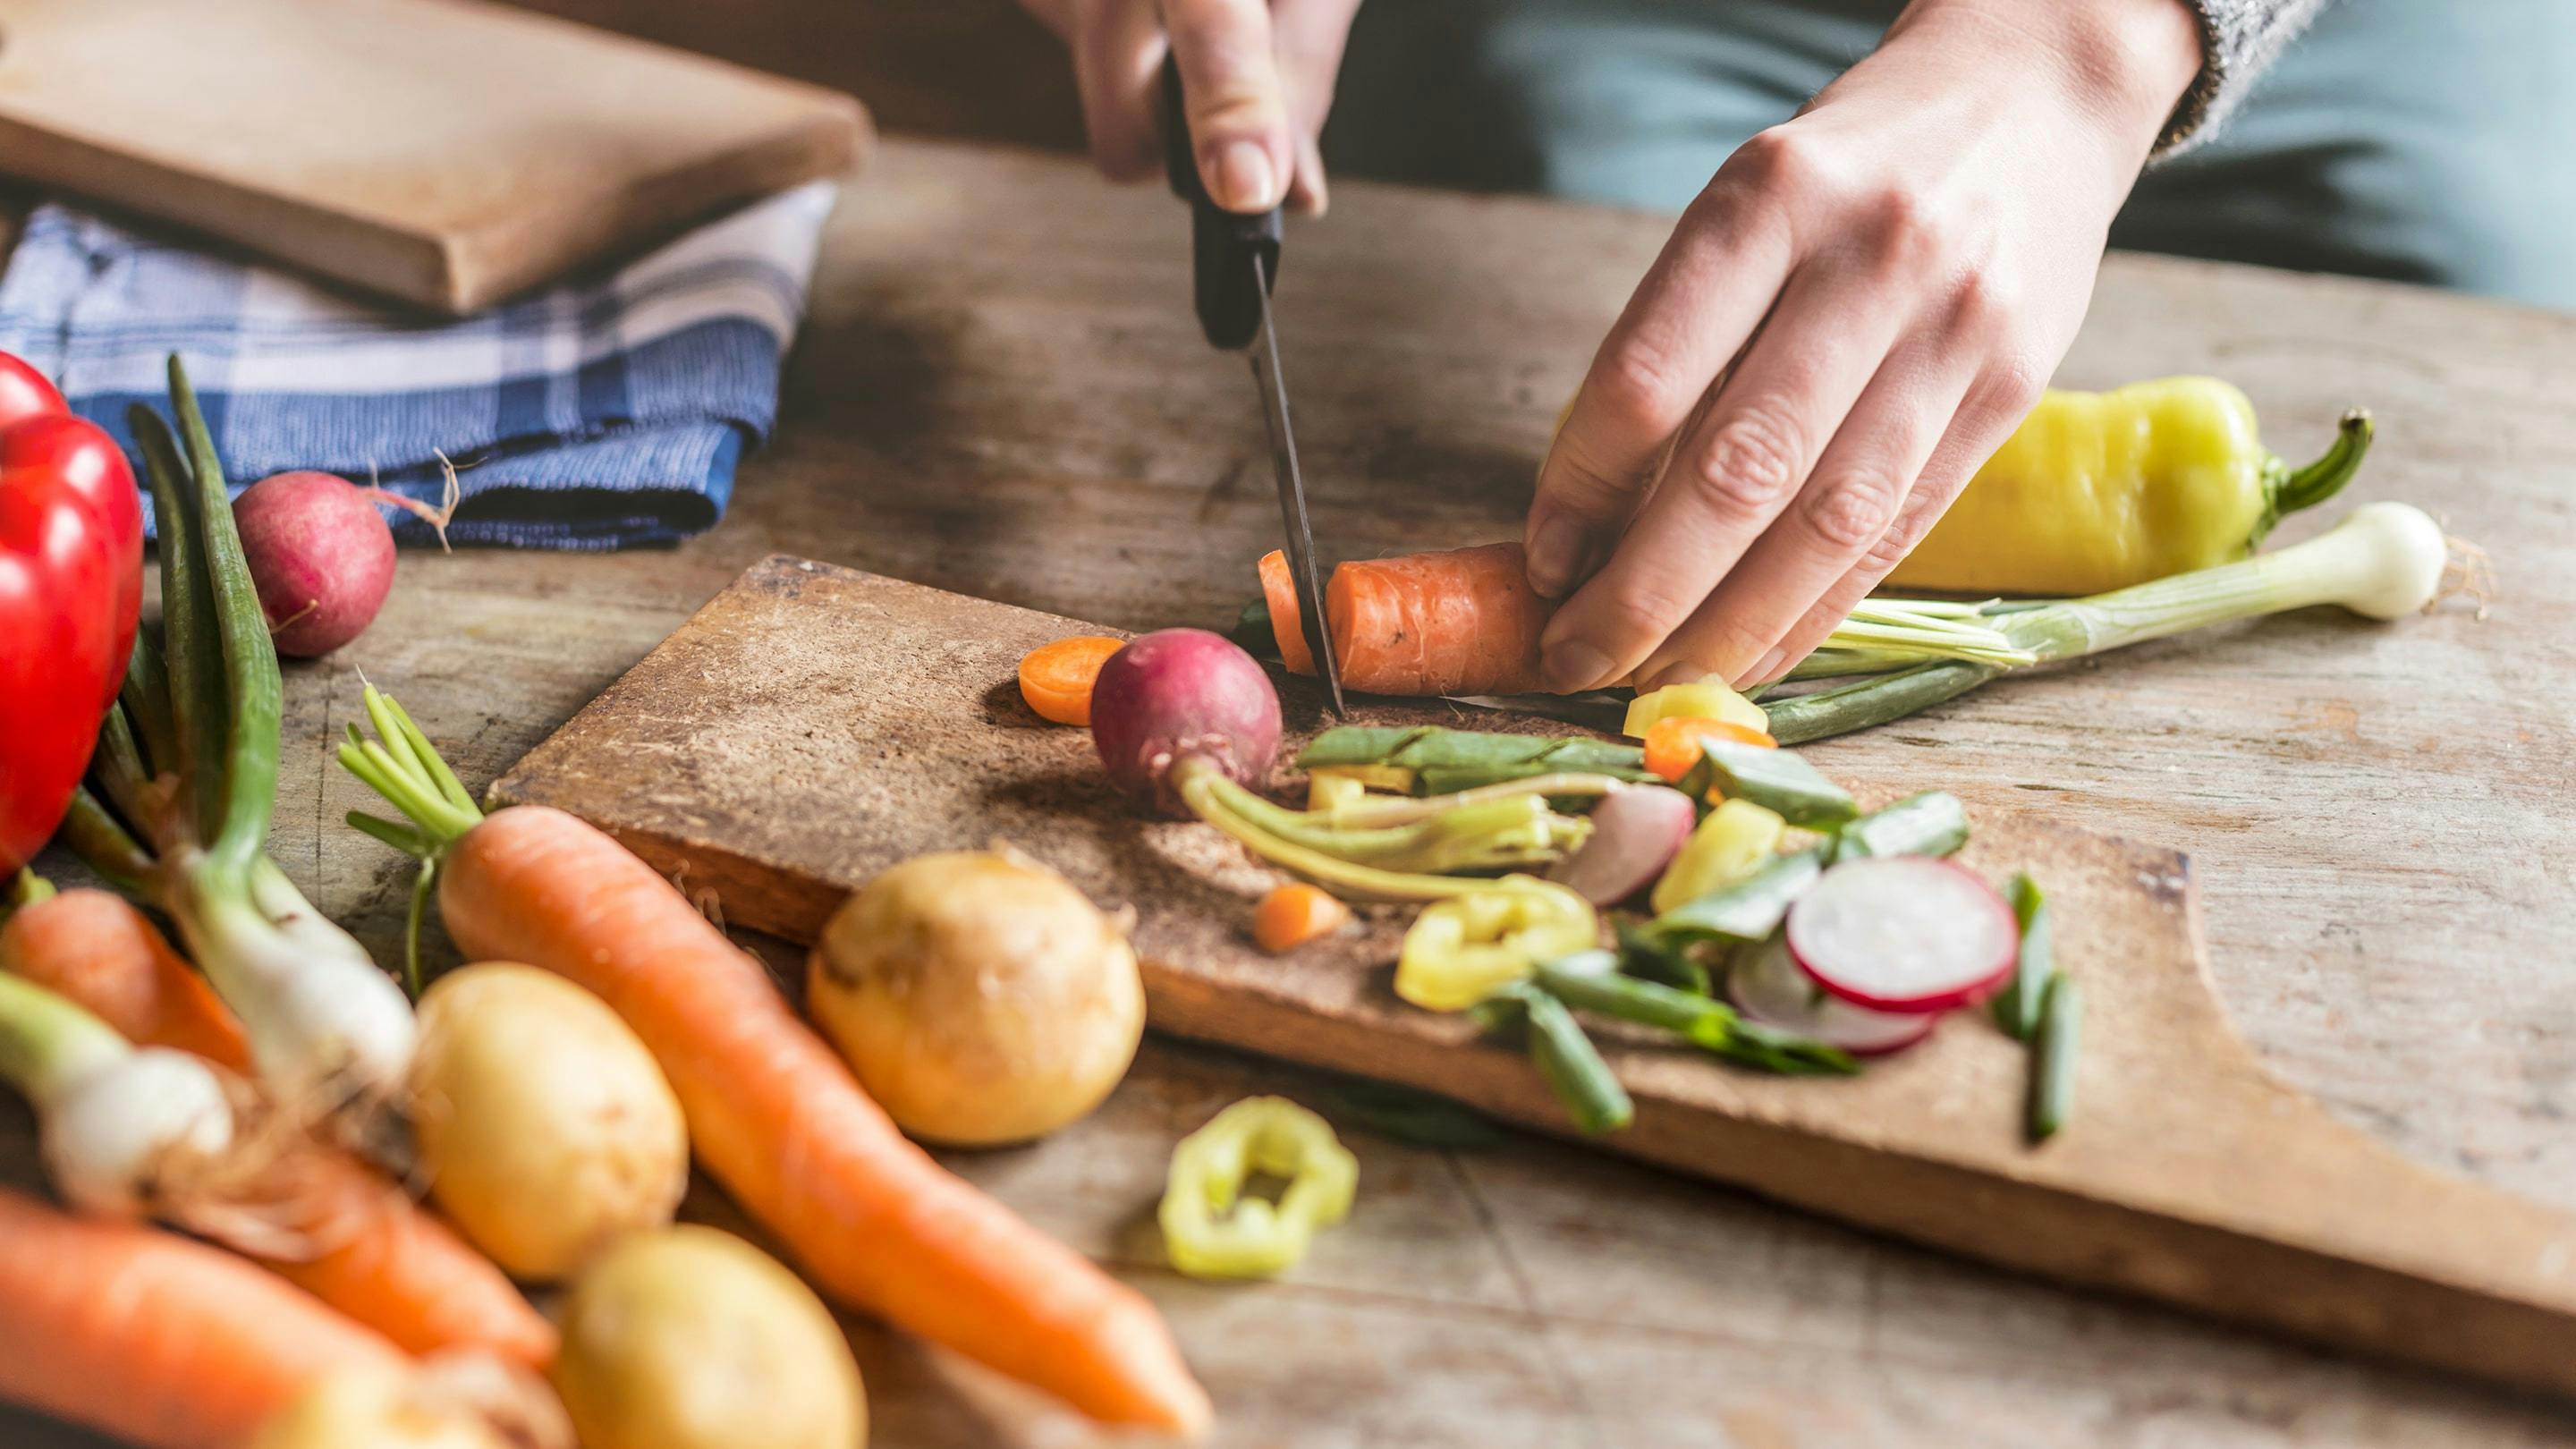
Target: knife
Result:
[[1234, 262]]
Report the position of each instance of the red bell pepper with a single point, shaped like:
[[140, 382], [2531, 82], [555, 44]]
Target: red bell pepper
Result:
[[71, 589]]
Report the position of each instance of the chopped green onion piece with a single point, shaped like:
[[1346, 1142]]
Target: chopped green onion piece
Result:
[[1776, 780], [2017, 1006], [1709, 1025], [2052, 1064], [1931, 823], [1749, 910]]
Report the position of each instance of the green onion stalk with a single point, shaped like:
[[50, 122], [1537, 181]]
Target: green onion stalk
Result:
[[177, 806], [2383, 561], [1397, 854]]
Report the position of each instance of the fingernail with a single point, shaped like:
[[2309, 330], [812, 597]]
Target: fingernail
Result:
[[1673, 674], [1762, 670], [1552, 556], [1570, 665], [1244, 179]]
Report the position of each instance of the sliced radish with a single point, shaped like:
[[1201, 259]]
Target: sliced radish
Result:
[[1903, 933], [1769, 988], [1636, 832]]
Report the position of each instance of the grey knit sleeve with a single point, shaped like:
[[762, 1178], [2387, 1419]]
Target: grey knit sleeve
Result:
[[2238, 39]]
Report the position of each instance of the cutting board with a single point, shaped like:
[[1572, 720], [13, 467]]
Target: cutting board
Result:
[[441, 152], [812, 725]]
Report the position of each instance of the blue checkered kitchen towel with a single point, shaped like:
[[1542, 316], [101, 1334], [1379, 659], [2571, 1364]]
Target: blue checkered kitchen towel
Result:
[[604, 413]]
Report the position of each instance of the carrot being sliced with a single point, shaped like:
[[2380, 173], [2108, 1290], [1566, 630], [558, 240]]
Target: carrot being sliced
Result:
[[1056, 678], [99, 951], [156, 1339], [779, 1120], [386, 1261], [1460, 621]]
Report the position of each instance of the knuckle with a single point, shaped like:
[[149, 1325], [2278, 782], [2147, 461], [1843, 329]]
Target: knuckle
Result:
[[1646, 609], [1904, 226], [1641, 381], [1780, 159], [1750, 463], [1923, 507], [2013, 382], [1851, 512]]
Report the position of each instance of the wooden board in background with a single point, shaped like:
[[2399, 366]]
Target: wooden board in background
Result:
[[442, 152], [813, 725]]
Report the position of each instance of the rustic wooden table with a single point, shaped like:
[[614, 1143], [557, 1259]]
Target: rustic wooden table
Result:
[[1000, 391]]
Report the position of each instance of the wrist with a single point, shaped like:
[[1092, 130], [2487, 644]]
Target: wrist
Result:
[[2127, 63]]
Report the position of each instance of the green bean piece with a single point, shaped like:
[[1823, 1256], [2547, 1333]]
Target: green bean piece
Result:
[[2017, 1006], [1931, 823], [1776, 780], [2052, 1065], [1867, 702], [1749, 910], [1709, 1025], [1666, 963], [1574, 1068]]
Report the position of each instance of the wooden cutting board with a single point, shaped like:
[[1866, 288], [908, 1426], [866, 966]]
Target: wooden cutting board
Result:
[[442, 152], [813, 725]]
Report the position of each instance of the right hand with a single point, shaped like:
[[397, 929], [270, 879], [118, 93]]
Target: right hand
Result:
[[1256, 76]]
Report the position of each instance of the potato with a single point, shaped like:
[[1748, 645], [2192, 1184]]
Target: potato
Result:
[[978, 996], [690, 1338], [545, 1126]]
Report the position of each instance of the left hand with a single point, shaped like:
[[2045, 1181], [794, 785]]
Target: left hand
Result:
[[1854, 313]]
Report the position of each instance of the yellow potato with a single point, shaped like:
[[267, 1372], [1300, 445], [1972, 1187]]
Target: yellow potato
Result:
[[545, 1126], [690, 1338], [980, 998]]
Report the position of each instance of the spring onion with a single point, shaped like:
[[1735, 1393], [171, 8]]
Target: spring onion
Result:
[[2383, 561], [330, 1035]]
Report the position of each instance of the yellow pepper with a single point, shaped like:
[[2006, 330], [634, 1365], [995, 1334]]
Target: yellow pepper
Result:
[[1211, 1230], [1462, 950], [2098, 491]]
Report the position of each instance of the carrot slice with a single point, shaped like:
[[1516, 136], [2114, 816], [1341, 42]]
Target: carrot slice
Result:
[[1292, 915], [1461, 621], [1056, 678], [1672, 745], [1279, 591]]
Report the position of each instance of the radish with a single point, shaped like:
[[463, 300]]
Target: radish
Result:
[[1178, 703], [1903, 933], [1636, 832], [321, 556], [1768, 987]]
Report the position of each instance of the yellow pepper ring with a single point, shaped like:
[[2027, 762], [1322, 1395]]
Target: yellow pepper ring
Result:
[[1461, 950], [1211, 1230]]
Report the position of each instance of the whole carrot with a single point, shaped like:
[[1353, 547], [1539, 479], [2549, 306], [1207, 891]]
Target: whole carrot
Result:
[[97, 949], [385, 1260], [156, 1339], [772, 1111], [777, 1117]]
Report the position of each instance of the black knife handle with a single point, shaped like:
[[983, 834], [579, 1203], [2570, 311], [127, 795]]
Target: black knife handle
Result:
[[1223, 244]]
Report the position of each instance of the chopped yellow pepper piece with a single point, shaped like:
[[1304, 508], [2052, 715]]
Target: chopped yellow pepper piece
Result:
[[1710, 699], [1212, 1230], [1461, 950], [1732, 842]]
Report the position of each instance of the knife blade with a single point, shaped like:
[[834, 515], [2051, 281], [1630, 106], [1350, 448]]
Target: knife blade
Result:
[[1234, 261], [1302, 571]]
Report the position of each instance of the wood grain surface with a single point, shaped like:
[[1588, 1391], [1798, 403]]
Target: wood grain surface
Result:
[[443, 152], [812, 726], [1000, 391]]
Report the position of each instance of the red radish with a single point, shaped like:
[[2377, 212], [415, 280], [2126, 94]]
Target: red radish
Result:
[[1636, 832], [1903, 933], [1770, 989], [321, 555], [1179, 695]]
